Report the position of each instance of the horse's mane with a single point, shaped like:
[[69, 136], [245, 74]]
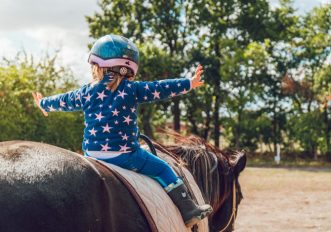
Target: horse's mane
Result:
[[208, 164]]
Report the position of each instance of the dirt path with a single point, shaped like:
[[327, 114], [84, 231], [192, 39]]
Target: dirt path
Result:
[[285, 200]]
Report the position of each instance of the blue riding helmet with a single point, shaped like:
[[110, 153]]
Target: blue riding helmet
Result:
[[116, 52]]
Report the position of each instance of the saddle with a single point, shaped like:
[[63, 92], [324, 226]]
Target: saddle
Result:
[[159, 210]]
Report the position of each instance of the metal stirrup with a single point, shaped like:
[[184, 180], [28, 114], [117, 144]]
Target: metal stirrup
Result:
[[148, 141]]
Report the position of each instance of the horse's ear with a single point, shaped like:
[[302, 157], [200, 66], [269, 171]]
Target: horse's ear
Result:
[[241, 164]]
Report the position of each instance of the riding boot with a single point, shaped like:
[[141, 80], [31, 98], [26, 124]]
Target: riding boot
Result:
[[190, 212]]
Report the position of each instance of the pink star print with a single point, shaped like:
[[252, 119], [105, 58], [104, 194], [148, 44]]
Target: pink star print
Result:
[[184, 91], [62, 103], [104, 147], [93, 132], [127, 119], [167, 86], [86, 141], [172, 94], [156, 94], [125, 137], [99, 116], [124, 148], [115, 112], [133, 109], [146, 87], [51, 108], [101, 95], [106, 128], [122, 94], [88, 97], [116, 122], [145, 98], [178, 84]]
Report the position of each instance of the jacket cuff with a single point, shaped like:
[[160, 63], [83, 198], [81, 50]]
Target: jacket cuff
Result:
[[190, 83], [42, 105]]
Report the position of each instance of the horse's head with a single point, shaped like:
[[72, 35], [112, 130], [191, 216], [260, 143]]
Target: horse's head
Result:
[[225, 211], [216, 173]]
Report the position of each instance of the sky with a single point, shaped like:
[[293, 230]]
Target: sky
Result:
[[40, 26]]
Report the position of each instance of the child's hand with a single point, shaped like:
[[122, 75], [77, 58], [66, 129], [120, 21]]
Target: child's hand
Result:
[[37, 98], [196, 80]]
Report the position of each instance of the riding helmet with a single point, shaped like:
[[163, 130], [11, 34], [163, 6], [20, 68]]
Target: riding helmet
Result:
[[117, 53]]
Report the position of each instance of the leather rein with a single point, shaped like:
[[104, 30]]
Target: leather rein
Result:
[[234, 209], [181, 174]]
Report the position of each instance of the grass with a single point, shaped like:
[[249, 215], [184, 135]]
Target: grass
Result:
[[269, 162]]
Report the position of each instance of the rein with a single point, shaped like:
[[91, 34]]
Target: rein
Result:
[[211, 171], [233, 214]]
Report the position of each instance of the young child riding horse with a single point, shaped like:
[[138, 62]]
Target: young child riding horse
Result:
[[110, 104]]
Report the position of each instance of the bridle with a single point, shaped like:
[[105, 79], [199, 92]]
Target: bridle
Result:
[[212, 170], [234, 209], [234, 193]]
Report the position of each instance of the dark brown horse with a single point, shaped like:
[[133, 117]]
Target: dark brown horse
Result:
[[46, 188], [216, 173]]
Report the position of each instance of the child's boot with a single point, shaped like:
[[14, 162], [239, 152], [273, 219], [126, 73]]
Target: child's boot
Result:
[[190, 212]]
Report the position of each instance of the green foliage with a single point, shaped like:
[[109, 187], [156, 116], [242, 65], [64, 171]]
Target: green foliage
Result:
[[306, 129], [267, 73], [247, 48], [20, 119]]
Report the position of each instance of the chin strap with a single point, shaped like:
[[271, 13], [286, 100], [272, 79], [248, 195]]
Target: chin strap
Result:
[[121, 70]]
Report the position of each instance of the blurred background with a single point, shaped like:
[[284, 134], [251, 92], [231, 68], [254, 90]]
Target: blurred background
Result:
[[267, 70], [268, 87]]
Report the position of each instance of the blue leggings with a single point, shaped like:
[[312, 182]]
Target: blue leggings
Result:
[[143, 162]]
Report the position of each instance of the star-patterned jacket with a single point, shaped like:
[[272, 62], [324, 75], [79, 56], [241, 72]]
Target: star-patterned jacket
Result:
[[111, 117]]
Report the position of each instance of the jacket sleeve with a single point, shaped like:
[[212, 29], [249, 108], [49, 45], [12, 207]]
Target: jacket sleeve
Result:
[[159, 90], [70, 101]]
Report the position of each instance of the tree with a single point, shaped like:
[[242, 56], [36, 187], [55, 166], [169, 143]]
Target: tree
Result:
[[147, 22], [308, 82], [20, 118]]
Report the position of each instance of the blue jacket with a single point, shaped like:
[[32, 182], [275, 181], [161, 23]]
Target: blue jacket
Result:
[[111, 117]]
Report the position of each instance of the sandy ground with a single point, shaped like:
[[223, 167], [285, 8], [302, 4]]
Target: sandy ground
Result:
[[277, 199]]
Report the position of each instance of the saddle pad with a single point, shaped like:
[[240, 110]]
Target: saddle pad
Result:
[[164, 213]]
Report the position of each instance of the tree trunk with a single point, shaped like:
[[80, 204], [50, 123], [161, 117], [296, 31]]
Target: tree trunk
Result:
[[146, 122], [176, 113], [207, 125], [191, 119], [328, 130], [275, 127], [217, 94], [217, 133], [238, 130], [327, 133]]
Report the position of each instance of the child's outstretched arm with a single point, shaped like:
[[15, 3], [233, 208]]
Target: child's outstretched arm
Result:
[[163, 89], [70, 101]]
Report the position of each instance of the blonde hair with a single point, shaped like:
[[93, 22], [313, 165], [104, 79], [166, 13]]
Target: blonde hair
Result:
[[98, 73]]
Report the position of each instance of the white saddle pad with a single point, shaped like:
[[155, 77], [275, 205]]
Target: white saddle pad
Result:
[[164, 213]]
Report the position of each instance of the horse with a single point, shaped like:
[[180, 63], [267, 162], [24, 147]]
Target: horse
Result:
[[216, 173], [47, 188]]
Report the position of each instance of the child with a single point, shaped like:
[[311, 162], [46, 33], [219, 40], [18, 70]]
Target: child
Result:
[[110, 106]]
